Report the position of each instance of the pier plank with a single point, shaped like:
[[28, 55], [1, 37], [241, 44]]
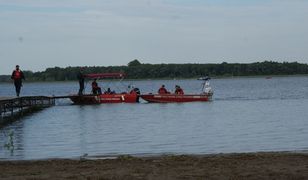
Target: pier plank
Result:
[[6, 98]]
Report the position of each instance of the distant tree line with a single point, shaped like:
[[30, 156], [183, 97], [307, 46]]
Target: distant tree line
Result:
[[137, 70]]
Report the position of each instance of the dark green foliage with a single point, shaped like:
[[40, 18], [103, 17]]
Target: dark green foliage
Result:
[[134, 63], [137, 70]]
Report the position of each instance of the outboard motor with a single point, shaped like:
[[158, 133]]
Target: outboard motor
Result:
[[135, 90], [207, 88]]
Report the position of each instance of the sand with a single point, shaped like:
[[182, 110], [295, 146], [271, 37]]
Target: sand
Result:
[[222, 166]]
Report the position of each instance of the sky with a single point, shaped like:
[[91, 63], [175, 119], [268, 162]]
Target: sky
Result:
[[37, 34]]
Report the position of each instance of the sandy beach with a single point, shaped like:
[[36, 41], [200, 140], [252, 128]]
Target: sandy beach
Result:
[[222, 166]]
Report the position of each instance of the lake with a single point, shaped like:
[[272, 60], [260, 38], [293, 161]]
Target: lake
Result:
[[246, 115]]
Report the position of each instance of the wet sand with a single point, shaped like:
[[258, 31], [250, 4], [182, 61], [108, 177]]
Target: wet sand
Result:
[[222, 166]]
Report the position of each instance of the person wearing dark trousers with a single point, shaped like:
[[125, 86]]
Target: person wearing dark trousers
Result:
[[80, 77], [17, 76], [95, 88]]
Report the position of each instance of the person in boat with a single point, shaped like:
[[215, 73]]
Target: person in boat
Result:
[[109, 91], [81, 77], [95, 88], [163, 90], [17, 76], [178, 90]]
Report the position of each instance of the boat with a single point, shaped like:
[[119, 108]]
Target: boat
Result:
[[168, 98], [105, 98], [206, 95], [123, 97]]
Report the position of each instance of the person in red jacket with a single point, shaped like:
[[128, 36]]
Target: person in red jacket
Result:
[[17, 76], [178, 90], [163, 90]]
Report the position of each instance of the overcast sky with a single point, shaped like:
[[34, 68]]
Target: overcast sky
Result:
[[37, 34]]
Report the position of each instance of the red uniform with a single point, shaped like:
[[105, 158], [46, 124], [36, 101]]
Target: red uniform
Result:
[[162, 90], [17, 76], [179, 91]]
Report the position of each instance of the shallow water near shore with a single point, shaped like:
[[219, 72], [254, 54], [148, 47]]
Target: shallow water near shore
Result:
[[246, 115]]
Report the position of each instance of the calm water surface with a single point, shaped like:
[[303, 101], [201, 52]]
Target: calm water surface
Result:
[[246, 115]]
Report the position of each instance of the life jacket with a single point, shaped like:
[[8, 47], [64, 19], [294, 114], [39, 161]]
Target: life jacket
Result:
[[17, 74], [162, 91], [179, 91]]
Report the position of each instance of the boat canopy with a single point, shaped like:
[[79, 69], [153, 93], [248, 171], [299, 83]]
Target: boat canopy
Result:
[[105, 75]]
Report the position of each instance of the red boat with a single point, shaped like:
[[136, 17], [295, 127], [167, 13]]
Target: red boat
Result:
[[105, 98], [112, 97], [206, 95], [167, 98]]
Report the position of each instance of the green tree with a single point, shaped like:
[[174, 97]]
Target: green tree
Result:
[[134, 63]]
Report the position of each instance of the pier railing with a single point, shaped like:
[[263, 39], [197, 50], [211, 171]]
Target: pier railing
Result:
[[10, 107]]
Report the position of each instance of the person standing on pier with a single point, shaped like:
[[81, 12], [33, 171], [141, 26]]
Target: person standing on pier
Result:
[[80, 77], [17, 76]]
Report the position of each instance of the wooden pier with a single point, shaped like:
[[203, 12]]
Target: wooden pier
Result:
[[12, 108]]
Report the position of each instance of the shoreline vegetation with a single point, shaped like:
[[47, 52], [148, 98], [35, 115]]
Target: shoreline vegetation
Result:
[[139, 71], [260, 165]]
